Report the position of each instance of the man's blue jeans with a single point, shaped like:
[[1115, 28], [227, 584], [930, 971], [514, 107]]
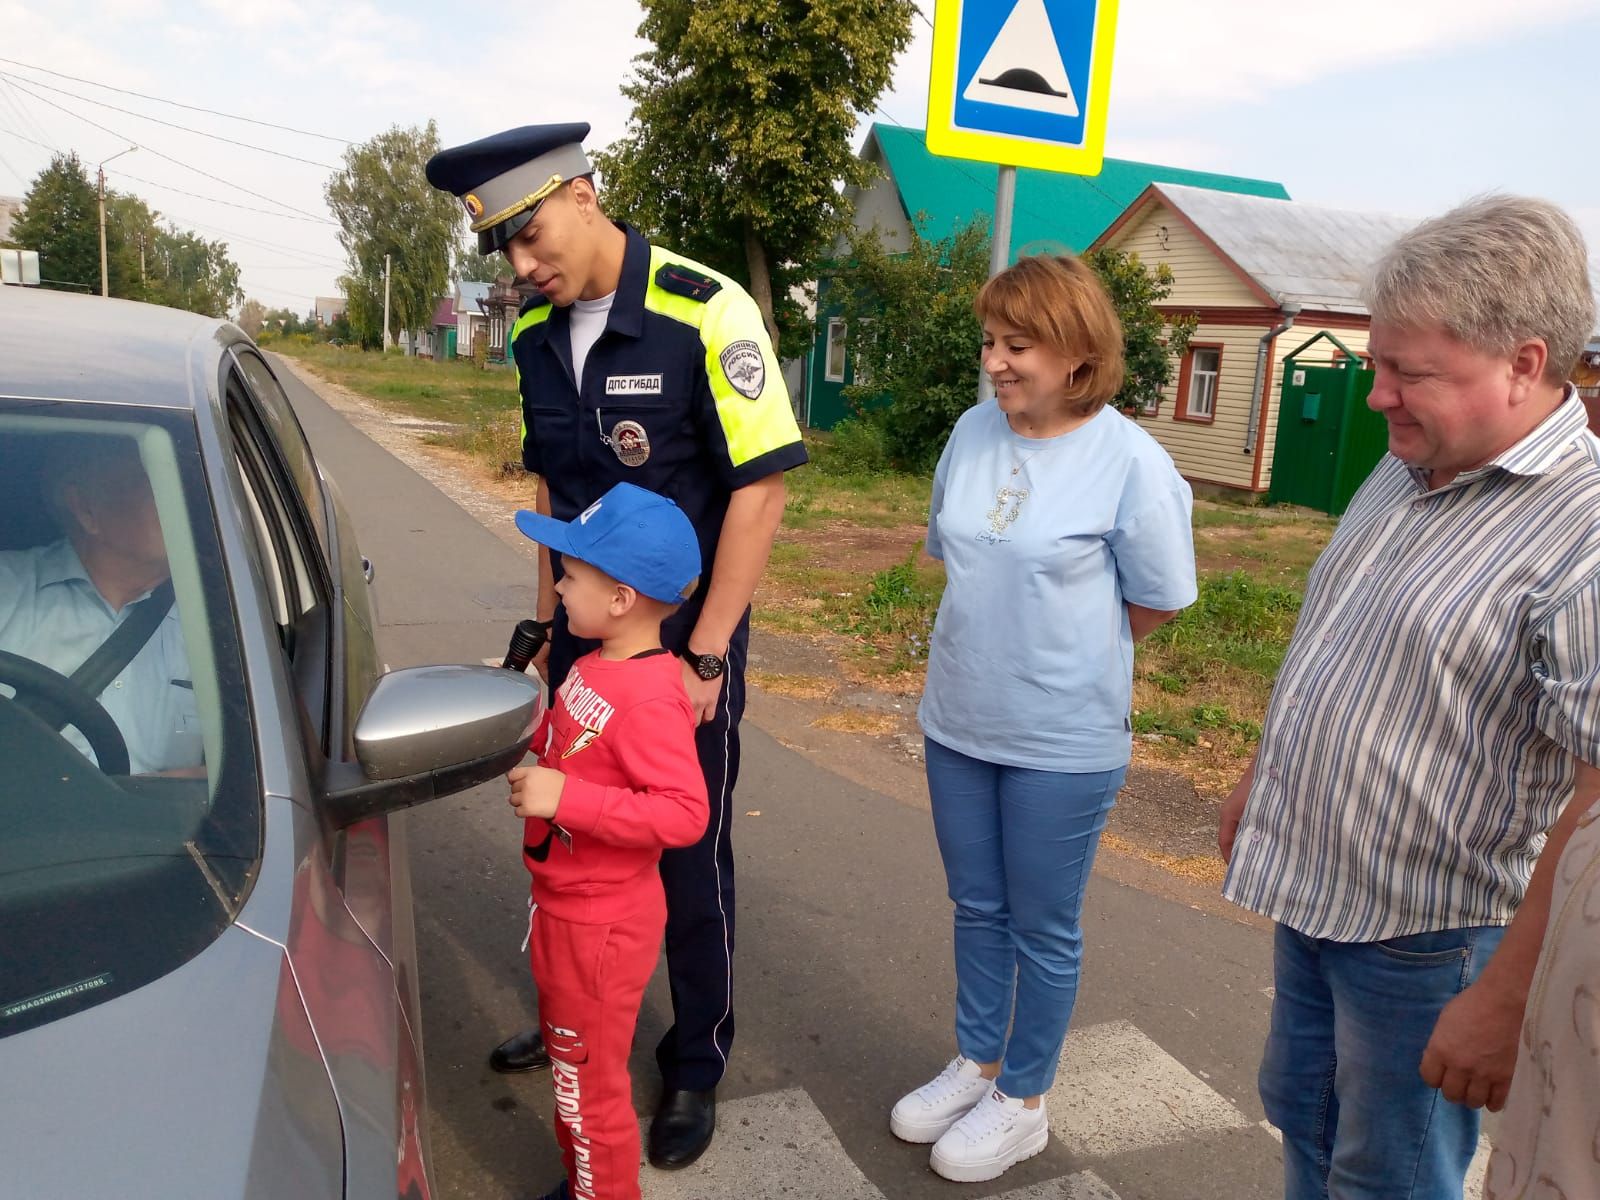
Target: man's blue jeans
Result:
[[1017, 848], [1340, 1076]]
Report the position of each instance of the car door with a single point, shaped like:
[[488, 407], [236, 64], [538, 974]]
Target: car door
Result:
[[356, 937]]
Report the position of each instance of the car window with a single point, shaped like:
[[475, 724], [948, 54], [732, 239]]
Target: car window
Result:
[[130, 811], [297, 576], [273, 404]]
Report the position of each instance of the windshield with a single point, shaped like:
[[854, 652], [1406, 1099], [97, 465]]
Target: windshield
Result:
[[130, 814]]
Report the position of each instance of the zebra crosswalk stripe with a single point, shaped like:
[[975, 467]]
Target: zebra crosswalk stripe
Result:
[[777, 1144], [1117, 1091]]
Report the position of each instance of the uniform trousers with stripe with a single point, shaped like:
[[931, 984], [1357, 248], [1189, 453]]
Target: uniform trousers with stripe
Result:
[[698, 881], [591, 980]]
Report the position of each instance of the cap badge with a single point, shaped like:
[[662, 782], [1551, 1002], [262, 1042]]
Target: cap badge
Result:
[[474, 205], [630, 443]]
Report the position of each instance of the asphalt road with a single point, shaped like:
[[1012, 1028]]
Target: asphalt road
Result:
[[844, 982]]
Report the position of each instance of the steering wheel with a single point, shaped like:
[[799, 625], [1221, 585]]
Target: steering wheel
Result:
[[57, 701]]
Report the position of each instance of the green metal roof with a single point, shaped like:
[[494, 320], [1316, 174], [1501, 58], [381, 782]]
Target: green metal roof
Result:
[[1054, 212]]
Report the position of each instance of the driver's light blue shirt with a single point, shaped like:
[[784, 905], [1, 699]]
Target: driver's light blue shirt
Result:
[[52, 613]]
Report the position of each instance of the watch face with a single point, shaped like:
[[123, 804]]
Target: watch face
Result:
[[708, 666]]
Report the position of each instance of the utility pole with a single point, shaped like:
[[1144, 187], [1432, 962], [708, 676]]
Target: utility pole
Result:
[[385, 301], [105, 288]]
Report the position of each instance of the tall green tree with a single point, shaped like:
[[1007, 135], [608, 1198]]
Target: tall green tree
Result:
[[740, 138], [60, 219], [132, 232], [185, 270], [385, 205], [915, 341]]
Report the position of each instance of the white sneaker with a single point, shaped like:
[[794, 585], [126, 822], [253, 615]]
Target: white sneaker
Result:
[[997, 1133], [925, 1114]]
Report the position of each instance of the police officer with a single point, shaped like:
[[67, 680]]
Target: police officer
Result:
[[637, 364]]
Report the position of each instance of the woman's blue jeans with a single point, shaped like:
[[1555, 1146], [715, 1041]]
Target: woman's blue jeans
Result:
[[1018, 846]]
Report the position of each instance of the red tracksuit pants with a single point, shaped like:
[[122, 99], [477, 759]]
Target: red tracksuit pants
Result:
[[591, 980]]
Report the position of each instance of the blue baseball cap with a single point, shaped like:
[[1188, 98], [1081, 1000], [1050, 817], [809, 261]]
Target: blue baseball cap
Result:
[[633, 535]]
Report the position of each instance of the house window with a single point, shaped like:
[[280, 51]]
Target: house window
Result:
[[1197, 383], [833, 360]]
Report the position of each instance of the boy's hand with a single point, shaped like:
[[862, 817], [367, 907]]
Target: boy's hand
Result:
[[535, 791]]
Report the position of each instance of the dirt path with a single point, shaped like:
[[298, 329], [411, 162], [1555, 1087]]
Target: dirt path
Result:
[[1161, 835]]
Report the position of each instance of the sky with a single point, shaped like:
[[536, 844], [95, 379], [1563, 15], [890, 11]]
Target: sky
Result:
[[1401, 106]]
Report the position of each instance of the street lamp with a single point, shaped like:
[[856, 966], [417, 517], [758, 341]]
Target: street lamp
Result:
[[105, 289]]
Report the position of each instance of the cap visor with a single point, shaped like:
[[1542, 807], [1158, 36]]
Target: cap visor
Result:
[[547, 531]]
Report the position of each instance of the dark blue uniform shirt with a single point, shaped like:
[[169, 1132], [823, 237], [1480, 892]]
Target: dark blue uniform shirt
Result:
[[681, 394]]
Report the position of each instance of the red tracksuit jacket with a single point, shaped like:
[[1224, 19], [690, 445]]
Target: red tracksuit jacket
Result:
[[622, 732]]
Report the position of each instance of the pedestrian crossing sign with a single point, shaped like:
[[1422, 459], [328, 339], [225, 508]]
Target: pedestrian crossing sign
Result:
[[1024, 83]]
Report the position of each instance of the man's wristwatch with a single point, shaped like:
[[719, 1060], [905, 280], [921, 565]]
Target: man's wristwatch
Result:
[[707, 666]]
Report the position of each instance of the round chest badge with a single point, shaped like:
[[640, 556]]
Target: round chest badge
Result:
[[630, 443]]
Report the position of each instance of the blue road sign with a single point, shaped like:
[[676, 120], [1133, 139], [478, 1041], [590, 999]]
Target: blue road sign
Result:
[[1022, 82]]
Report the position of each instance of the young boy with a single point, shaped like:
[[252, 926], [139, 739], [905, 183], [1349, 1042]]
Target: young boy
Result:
[[617, 781]]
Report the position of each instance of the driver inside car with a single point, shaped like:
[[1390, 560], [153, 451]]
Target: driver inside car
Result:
[[63, 601]]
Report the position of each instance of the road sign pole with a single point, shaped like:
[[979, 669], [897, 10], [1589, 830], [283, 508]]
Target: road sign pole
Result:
[[1005, 199]]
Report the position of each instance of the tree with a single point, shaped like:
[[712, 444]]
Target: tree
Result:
[[252, 317], [472, 267], [1151, 342], [913, 336], [385, 206], [187, 271], [741, 134], [282, 320], [915, 341], [60, 219]]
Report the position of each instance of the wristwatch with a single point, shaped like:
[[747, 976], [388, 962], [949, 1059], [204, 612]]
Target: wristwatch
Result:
[[707, 666]]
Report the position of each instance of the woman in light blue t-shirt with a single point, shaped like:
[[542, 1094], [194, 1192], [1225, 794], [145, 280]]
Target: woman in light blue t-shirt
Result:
[[1065, 534]]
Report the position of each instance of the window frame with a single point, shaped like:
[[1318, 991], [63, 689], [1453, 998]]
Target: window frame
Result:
[[838, 339], [1182, 411], [297, 559]]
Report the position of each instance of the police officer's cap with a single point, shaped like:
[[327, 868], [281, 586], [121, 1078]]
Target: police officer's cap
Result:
[[504, 179]]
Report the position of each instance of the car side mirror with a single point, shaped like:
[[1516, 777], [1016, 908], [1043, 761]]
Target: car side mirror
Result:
[[426, 732]]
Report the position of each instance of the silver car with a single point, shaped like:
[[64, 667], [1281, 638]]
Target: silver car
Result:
[[207, 965]]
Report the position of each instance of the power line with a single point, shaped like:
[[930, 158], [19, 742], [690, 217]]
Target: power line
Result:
[[170, 159], [266, 212], [178, 104], [15, 79], [25, 138], [14, 171], [24, 118], [918, 8], [310, 260]]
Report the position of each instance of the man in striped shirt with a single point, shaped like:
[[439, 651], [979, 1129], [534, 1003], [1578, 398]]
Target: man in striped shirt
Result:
[[1428, 748]]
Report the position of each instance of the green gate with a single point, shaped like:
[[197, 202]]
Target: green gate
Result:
[[1328, 439]]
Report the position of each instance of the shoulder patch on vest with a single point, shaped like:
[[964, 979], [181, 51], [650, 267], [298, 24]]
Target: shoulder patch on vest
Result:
[[686, 281]]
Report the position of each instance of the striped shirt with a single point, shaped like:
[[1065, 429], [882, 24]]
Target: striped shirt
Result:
[[1444, 671]]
